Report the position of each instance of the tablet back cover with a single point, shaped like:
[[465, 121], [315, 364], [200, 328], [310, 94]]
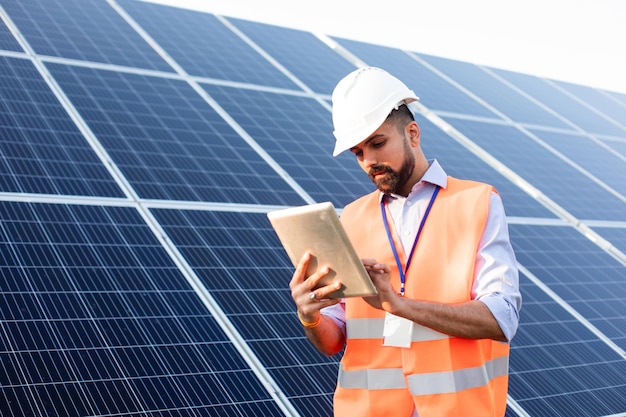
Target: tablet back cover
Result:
[[316, 228]]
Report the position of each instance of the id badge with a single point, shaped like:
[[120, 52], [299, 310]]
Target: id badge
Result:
[[397, 332]]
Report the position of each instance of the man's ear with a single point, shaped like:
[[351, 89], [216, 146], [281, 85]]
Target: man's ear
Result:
[[413, 133]]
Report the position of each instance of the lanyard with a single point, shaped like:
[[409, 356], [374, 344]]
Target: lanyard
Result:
[[404, 270]]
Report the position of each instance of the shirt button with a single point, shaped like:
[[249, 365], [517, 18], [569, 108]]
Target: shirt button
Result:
[[408, 203]]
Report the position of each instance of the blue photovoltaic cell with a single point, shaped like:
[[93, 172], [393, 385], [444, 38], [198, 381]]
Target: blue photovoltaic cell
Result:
[[241, 261], [168, 142], [617, 145], [497, 94], [605, 164], [7, 40], [41, 149], [204, 46], [299, 137], [560, 181], [303, 54], [578, 271], [89, 30], [459, 162], [615, 235], [97, 320], [599, 100], [558, 368], [620, 97], [581, 116], [434, 92]]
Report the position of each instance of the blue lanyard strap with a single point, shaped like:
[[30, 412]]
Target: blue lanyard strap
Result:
[[401, 270]]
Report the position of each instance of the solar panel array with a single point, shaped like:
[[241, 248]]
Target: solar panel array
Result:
[[140, 149]]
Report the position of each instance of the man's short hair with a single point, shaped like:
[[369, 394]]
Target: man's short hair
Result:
[[401, 117]]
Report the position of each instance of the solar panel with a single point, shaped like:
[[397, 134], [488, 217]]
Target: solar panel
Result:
[[518, 107], [558, 367], [87, 30], [42, 149], [597, 158], [579, 272], [561, 180], [617, 145], [240, 260], [7, 41], [597, 99], [619, 97], [294, 140], [615, 235], [140, 149], [186, 36], [565, 363], [312, 62], [434, 91], [98, 320], [168, 141], [582, 115], [462, 163]]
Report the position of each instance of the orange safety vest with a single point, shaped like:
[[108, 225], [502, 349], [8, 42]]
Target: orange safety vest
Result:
[[439, 375]]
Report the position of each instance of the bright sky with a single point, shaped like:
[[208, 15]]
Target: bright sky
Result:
[[579, 41]]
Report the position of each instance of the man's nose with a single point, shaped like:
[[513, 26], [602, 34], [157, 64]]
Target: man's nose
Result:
[[369, 159]]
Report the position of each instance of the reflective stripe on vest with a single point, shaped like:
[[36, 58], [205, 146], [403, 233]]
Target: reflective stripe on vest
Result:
[[424, 384], [373, 329], [372, 379], [456, 381]]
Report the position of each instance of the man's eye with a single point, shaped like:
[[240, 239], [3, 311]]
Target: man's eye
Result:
[[378, 144]]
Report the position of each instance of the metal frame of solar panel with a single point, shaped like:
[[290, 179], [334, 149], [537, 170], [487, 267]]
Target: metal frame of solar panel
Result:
[[141, 147]]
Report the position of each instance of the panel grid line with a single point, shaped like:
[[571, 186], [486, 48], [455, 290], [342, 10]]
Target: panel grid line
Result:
[[572, 311], [591, 108]]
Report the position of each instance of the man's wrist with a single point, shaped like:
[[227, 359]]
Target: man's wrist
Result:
[[309, 324]]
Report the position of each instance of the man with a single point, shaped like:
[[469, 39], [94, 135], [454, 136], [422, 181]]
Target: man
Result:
[[434, 341]]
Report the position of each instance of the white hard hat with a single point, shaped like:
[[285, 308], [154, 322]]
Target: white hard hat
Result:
[[362, 100]]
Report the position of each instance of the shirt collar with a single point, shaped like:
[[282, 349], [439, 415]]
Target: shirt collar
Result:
[[434, 175]]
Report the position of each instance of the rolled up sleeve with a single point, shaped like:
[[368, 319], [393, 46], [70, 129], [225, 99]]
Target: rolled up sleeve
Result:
[[496, 278]]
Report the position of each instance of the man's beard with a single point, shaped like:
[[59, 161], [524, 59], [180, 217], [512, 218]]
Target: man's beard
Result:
[[392, 181]]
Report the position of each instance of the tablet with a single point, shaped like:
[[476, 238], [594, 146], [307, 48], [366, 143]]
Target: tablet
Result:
[[316, 228]]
